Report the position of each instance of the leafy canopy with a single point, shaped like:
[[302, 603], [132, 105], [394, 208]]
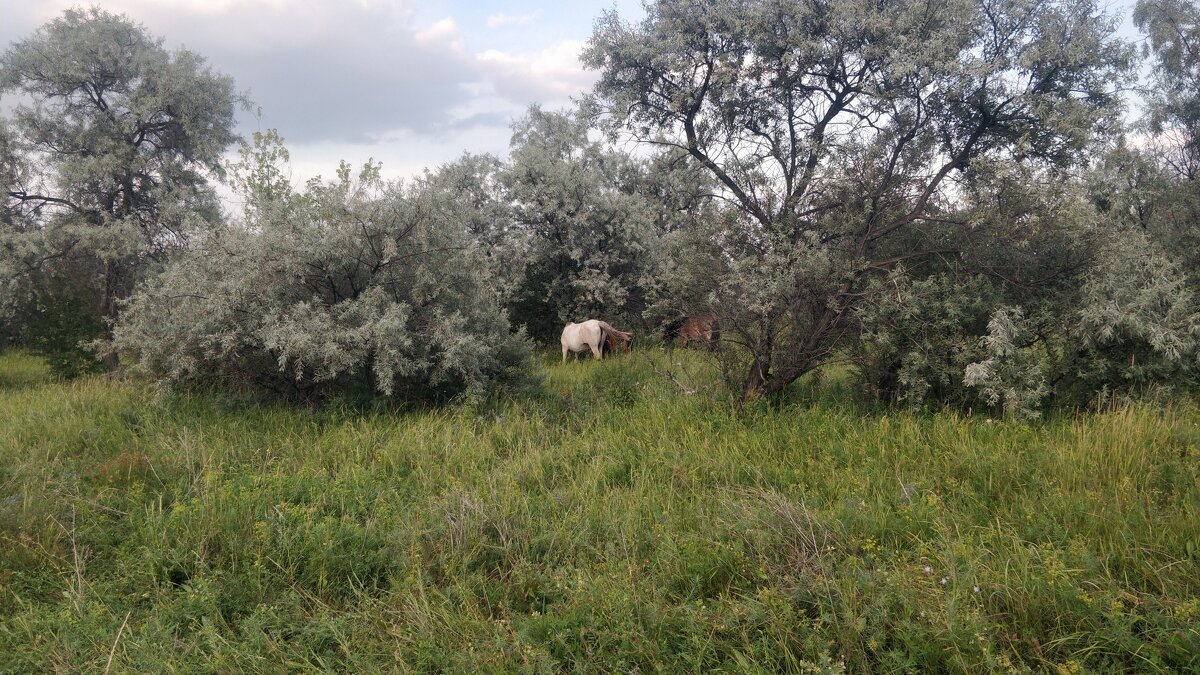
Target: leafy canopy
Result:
[[841, 131], [106, 162]]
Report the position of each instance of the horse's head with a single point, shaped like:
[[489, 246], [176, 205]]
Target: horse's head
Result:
[[671, 330]]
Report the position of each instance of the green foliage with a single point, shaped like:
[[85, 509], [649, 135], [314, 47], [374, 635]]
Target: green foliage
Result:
[[15, 249], [471, 191], [1173, 29], [1170, 160], [1151, 190], [1014, 372], [592, 244], [353, 285], [123, 127], [603, 523], [920, 334], [105, 161], [841, 131], [60, 330], [1122, 321], [1138, 323]]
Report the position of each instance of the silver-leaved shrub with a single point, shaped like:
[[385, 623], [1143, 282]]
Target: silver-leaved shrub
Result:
[[1014, 372], [1132, 328]]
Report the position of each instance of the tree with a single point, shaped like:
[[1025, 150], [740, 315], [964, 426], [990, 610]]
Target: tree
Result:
[[843, 129], [471, 191], [1055, 298], [1169, 166], [1173, 29], [10, 260], [352, 286], [13, 284], [678, 194], [124, 135], [589, 225]]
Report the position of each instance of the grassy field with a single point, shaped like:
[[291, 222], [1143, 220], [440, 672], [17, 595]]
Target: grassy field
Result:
[[600, 523]]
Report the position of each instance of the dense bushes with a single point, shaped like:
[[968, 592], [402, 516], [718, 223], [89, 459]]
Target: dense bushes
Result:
[[991, 240], [354, 285]]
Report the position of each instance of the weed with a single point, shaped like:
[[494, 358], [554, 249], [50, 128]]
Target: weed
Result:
[[603, 520]]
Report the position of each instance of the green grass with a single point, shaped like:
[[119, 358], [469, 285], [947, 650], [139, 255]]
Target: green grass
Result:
[[601, 522]]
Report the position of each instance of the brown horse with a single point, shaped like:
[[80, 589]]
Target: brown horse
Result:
[[615, 343], [700, 328]]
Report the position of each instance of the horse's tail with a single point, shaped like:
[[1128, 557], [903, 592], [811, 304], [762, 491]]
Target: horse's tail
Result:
[[606, 330], [619, 333]]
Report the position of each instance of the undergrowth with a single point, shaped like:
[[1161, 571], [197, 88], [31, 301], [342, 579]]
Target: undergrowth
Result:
[[603, 521]]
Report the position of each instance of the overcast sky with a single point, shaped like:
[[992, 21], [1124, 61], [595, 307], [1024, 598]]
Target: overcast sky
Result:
[[411, 83]]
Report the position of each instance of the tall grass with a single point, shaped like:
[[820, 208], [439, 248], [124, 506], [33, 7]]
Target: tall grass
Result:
[[601, 521]]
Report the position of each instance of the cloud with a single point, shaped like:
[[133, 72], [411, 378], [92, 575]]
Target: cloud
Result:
[[320, 71], [341, 71], [550, 76], [443, 32], [358, 78]]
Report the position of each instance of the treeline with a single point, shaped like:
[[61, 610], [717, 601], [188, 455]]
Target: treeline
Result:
[[955, 199]]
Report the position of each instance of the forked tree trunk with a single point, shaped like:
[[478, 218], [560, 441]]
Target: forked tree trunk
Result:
[[763, 380], [759, 376], [756, 381]]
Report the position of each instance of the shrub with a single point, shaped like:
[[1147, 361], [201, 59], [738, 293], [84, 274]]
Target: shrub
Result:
[[351, 285]]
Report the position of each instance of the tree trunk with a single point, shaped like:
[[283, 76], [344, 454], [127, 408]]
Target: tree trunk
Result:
[[762, 353], [756, 381], [108, 311]]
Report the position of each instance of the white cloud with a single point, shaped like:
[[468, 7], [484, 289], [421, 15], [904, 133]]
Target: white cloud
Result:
[[550, 75], [443, 32]]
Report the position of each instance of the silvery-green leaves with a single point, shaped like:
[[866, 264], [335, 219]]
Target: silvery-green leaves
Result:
[[348, 285], [844, 134], [1173, 29], [105, 160], [1014, 374], [1139, 321], [589, 219]]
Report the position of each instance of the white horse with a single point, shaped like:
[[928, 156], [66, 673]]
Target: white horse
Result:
[[590, 334]]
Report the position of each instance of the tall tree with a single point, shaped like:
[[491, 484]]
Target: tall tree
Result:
[[588, 223], [1173, 29], [1169, 165], [124, 135], [471, 191], [12, 260], [842, 129]]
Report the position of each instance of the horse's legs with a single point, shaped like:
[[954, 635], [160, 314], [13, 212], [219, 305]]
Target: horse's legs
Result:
[[597, 352], [564, 353]]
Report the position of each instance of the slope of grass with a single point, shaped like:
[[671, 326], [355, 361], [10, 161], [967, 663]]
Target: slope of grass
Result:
[[601, 522]]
